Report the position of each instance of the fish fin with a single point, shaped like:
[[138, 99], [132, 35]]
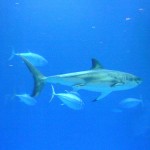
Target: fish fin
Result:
[[142, 101], [96, 64], [39, 79], [12, 54], [103, 94], [66, 91], [53, 93], [73, 92], [94, 100]]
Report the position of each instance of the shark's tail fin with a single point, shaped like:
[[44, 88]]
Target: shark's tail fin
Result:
[[39, 79]]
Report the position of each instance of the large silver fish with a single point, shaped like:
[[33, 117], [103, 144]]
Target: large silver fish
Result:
[[96, 79]]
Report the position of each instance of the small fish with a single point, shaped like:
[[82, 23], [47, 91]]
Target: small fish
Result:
[[27, 99], [35, 59], [70, 99], [140, 9], [130, 103], [127, 18]]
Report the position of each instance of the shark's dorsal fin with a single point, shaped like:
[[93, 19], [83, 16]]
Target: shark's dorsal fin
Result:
[[96, 64]]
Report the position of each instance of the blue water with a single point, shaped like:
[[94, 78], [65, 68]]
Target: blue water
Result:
[[68, 34]]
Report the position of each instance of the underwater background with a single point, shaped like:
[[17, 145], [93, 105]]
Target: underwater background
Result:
[[68, 33]]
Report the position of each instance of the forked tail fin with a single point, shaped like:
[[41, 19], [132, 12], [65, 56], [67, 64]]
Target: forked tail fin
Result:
[[39, 79], [12, 54], [53, 94]]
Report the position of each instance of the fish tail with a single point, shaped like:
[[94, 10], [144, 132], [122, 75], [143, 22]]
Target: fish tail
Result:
[[39, 79], [53, 93], [12, 54], [142, 101]]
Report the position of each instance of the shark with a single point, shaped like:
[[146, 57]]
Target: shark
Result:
[[96, 79]]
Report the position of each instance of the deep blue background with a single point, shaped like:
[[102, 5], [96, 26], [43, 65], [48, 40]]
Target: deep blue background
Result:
[[69, 33]]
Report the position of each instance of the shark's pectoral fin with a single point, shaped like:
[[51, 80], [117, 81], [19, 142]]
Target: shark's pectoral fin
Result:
[[103, 94]]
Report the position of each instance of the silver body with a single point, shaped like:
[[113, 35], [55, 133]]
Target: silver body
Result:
[[35, 59], [70, 99], [27, 99], [98, 80]]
